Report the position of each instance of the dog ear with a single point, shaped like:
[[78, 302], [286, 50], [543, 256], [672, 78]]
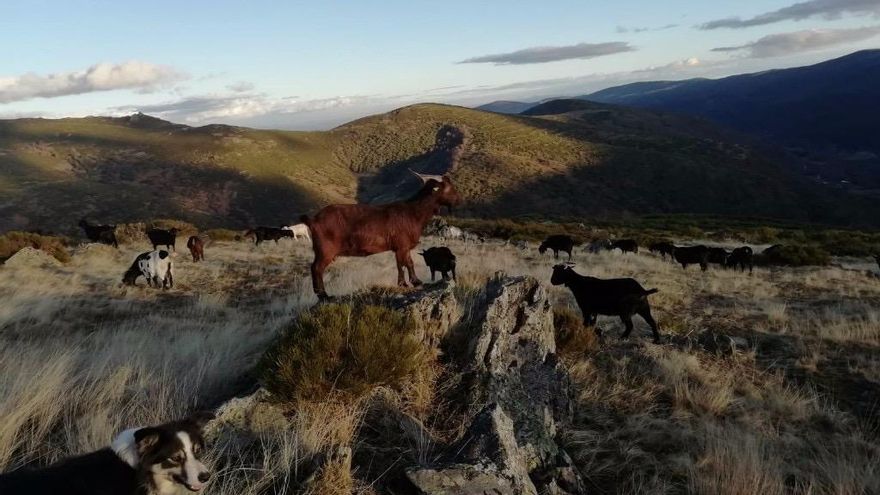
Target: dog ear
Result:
[[146, 438], [201, 418]]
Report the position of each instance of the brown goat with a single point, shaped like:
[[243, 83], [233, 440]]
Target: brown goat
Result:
[[196, 248], [362, 230]]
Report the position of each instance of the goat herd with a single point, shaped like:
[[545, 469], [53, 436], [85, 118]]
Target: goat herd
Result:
[[362, 230]]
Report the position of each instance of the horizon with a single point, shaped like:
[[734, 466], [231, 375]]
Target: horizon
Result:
[[233, 65]]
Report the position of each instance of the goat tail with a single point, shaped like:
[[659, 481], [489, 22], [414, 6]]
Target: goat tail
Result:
[[651, 291]]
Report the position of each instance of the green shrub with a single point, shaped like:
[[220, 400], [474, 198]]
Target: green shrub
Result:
[[795, 255], [12, 242], [573, 340], [342, 348]]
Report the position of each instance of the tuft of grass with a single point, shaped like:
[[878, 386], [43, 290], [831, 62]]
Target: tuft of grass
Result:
[[573, 340], [12, 242], [223, 234], [343, 348]]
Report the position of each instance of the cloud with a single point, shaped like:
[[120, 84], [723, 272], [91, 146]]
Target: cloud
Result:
[[532, 90], [240, 87], [238, 107], [624, 29], [544, 54], [776, 45], [141, 76], [828, 9]]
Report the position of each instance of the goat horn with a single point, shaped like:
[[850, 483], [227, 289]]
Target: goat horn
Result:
[[426, 177]]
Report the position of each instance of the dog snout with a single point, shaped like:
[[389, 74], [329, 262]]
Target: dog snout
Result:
[[204, 476]]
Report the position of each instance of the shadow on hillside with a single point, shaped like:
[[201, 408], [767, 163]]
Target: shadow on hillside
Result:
[[394, 182], [624, 181], [113, 191]]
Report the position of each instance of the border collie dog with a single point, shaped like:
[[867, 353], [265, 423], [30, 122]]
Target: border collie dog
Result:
[[156, 460]]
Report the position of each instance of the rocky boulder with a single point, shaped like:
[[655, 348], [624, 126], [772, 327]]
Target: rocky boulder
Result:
[[507, 352]]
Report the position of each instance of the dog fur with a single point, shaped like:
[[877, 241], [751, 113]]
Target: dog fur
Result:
[[156, 460]]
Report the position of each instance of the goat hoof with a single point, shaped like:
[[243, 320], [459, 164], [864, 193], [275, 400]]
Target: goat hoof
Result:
[[416, 283]]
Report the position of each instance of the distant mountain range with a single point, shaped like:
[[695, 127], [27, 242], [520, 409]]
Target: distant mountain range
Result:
[[827, 114]]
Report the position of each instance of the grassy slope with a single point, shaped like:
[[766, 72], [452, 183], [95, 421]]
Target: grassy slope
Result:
[[601, 161]]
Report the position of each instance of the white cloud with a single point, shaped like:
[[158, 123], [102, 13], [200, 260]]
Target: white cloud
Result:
[[240, 87], [141, 76], [544, 54], [776, 45], [241, 108], [828, 9]]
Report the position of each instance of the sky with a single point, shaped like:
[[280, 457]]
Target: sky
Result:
[[315, 65]]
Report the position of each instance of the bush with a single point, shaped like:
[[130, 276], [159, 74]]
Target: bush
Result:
[[223, 235], [795, 255], [169, 223], [12, 242], [342, 348], [573, 340]]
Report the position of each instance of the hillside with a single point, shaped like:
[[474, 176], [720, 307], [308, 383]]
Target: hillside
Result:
[[825, 111], [506, 106], [556, 107], [603, 161]]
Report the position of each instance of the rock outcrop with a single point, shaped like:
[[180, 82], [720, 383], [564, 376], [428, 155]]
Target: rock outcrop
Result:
[[33, 258], [514, 396], [509, 357]]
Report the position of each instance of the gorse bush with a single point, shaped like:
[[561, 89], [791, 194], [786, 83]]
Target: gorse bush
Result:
[[795, 255], [12, 242], [223, 234], [342, 348]]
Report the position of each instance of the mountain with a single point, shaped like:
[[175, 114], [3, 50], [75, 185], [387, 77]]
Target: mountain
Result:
[[600, 161], [505, 106], [825, 112], [558, 106]]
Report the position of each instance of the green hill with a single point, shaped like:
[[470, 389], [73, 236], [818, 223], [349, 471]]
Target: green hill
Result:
[[599, 161]]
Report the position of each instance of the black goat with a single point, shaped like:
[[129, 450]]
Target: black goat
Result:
[[662, 248], [625, 245], [557, 243], [622, 297], [741, 258], [263, 233], [692, 255], [105, 234], [440, 259], [161, 237], [718, 256]]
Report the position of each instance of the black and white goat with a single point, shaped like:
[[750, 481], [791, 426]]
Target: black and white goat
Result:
[[621, 297], [155, 266], [156, 460]]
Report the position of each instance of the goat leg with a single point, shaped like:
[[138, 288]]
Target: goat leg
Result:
[[410, 268], [399, 258]]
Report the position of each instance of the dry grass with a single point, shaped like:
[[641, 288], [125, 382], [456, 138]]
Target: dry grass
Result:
[[85, 358]]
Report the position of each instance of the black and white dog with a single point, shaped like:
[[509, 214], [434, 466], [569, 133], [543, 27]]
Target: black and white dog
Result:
[[156, 460]]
